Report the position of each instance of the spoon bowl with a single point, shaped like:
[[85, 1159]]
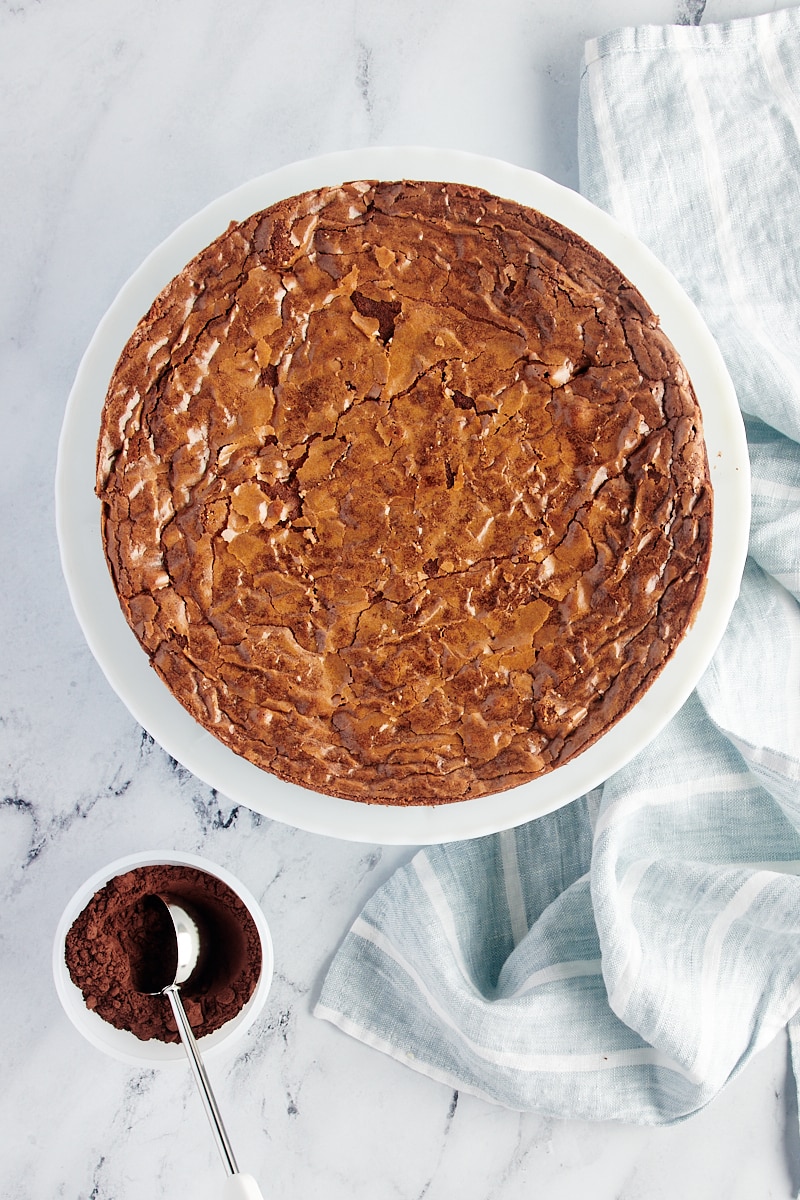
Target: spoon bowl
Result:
[[170, 949], [187, 940]]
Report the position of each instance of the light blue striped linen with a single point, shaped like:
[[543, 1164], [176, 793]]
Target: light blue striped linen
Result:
[[627, 955]]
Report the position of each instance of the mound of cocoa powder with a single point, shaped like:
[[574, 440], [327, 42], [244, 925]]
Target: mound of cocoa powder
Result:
[[121, 935]]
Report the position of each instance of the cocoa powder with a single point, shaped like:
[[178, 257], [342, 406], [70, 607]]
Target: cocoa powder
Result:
[[121, 939]]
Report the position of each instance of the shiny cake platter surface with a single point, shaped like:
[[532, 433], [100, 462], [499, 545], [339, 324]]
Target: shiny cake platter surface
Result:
[[126, 665]]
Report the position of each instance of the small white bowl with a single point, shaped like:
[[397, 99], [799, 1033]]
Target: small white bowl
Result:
[[119, 1043]]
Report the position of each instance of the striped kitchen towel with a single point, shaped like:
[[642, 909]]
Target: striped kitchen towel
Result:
[[627, 955]]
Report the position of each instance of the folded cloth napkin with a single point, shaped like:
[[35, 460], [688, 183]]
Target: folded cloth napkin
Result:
[[627, 955]]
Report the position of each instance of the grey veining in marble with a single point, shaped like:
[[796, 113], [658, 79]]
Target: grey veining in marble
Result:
[[690, 12], [118, 121]]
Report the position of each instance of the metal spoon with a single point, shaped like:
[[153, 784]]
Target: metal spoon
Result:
[[188, 944]]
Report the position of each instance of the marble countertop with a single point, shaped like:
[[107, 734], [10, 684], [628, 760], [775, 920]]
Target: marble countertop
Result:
[[118, 122]]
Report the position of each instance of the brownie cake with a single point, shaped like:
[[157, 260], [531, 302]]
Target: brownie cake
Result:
[[404, 492]]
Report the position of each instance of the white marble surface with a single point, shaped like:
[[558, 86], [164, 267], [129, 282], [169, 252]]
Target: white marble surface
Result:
[[118, 121]]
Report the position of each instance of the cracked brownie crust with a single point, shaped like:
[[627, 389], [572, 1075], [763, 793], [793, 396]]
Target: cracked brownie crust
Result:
[[404, 492]]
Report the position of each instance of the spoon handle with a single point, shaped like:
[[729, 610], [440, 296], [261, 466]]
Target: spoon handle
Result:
[[241, 1187], [201, 1079]]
